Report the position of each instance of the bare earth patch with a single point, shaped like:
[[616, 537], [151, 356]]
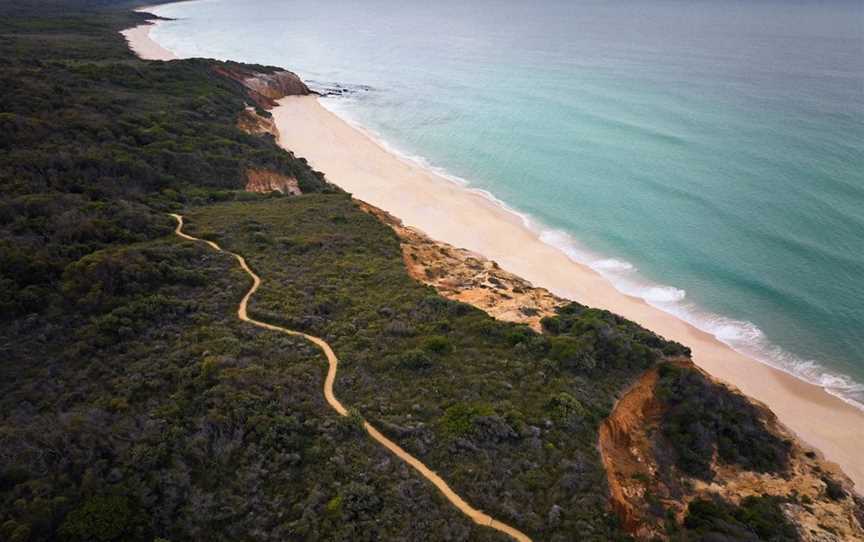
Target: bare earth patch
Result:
[[462, 275], [263, 181]]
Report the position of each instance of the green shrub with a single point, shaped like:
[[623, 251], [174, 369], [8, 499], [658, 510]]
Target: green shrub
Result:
[[437, 344], [565, 408], [101, 518], [458, 420], [572, 353], [702, 417], [833, 489], [334, 506], [15, 532], [521, 334], [415, 360], [584, 339], [756, 518]]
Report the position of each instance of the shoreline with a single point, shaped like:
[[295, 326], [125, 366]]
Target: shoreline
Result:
[[465, 218], [140, 42], [580, 256], [639, 288]]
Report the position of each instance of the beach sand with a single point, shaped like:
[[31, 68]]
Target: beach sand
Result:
[[143, 46], [451, 213]]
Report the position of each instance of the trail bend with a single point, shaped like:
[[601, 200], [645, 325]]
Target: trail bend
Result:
[[477, 516]]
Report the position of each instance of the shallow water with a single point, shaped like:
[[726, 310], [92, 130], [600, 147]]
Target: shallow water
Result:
[[707, 156]]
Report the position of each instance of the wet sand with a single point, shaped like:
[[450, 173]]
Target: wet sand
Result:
[[450, 213]]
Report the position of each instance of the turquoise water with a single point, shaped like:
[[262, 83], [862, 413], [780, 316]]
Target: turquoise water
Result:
[[705, 155]]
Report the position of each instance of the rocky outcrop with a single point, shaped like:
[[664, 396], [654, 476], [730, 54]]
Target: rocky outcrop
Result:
[[645, 489], [263, 181], [277, 85], [337, 89], [468, 277], [264, 88]]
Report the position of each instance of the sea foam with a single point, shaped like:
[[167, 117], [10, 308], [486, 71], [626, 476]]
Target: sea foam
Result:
[[740, 335]]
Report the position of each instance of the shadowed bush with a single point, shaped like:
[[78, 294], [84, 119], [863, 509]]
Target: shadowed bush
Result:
[[702, 417]]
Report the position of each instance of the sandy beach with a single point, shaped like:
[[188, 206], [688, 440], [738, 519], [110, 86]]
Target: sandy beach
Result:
[[451, 213], [140, 42]]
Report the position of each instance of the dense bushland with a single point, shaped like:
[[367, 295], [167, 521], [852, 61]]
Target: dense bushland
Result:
[[158, 414], [133, 404], [756, 518], [94, 143], [505, 414]]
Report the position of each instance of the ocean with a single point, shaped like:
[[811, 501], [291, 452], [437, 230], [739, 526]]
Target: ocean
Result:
[[707, 156]]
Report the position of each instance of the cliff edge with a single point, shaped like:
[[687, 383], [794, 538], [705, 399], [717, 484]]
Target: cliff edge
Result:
[[671, 473]]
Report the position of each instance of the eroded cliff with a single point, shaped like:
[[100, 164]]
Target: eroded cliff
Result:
[[654, 494], [263, 181]]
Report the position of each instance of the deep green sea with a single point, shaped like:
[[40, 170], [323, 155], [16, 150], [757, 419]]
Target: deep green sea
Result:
[[706, 155]]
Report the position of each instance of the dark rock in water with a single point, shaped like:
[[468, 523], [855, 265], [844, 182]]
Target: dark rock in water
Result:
[[337, 89]]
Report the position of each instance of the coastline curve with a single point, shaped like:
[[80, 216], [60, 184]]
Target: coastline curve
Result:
[[801, 403]]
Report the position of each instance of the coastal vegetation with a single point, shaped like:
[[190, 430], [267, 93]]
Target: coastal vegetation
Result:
[[702, 419], [485, 404], [134, 405], [756, 518], [95, 143]]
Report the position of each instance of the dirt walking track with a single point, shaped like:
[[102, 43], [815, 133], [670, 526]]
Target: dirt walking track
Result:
[[478, 516]]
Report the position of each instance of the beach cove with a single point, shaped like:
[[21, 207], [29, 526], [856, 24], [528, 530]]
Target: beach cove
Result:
[[449, 212]]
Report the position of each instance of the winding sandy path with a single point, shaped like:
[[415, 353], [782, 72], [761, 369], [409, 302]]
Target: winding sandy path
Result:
[[478, 516]]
